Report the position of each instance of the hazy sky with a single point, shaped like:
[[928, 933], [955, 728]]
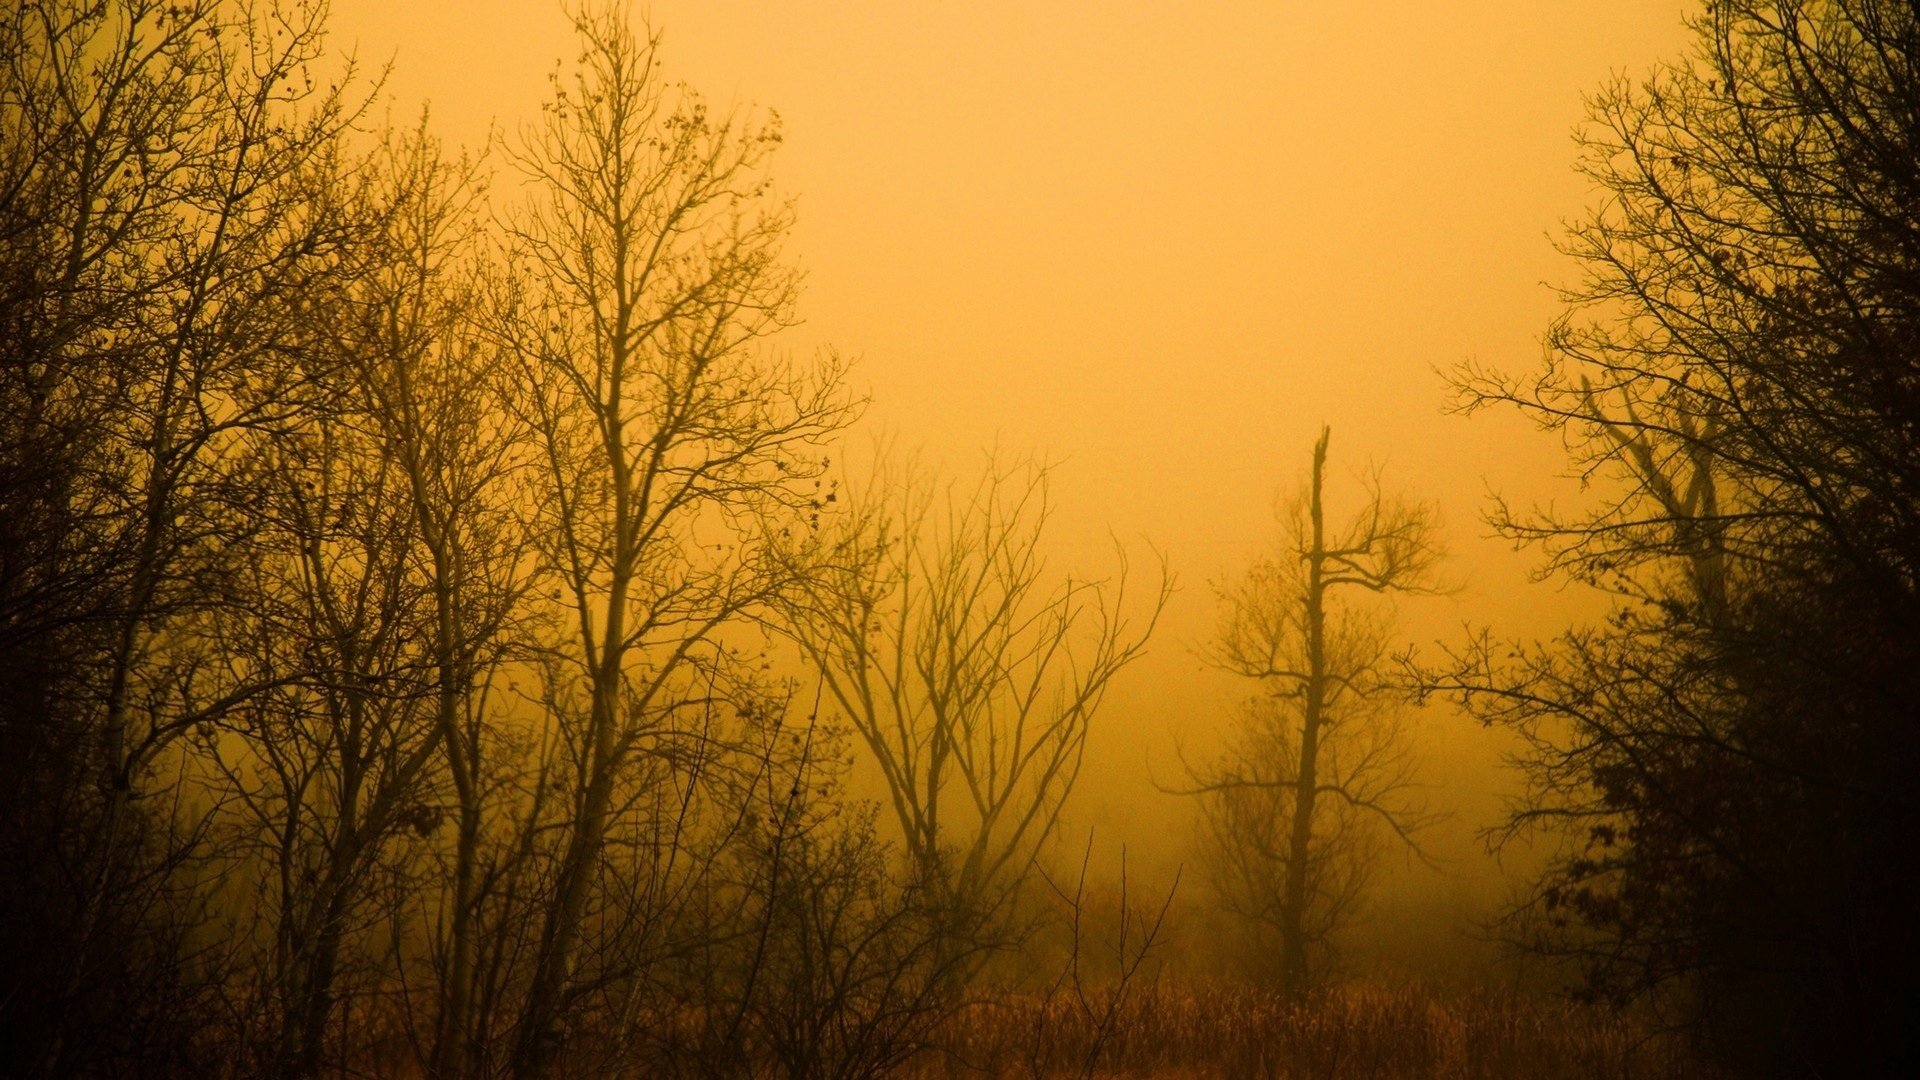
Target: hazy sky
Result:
[[1159, 243]]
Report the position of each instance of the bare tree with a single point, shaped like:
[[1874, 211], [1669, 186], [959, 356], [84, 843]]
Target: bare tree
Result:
[[161, 163], [330, 769], [424, 380], [1317, 764], [1725, 760], [378, 585], [672, 451], [969, 672]]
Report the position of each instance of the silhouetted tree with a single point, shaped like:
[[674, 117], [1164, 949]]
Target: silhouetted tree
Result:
[[1729, 757], [969, 673], [421, 379], [1294, 807], [672, 453], [329, 770], [380, 576], [162, 220]]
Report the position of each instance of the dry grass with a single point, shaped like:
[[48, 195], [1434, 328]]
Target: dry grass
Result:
[[1355, 1031]]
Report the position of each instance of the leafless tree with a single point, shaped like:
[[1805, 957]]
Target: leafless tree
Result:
[[161, 163], [1733, 379], [331, 767], [970, 673], [379, 581], [424, 379], [1316, 767], [672, 450]]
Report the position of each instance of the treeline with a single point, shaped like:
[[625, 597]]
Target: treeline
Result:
[[1727, 763], [1720, 771], [402, 592]]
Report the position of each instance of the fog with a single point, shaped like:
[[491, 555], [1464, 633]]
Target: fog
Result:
[[1159, 248], [935, 539]]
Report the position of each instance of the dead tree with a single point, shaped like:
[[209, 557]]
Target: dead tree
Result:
[[1316, 762]]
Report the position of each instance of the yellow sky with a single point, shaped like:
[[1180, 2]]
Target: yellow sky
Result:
[[1158, 242]]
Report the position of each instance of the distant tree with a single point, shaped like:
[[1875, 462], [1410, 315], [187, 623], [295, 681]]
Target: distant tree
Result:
[[969, 673], [1317, 769], [1728, 759]]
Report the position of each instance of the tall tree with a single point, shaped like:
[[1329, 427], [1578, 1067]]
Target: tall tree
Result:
[[674, 454], [381, 580], [421, 377], [162, 220], [1317, 765], [1727, 757]]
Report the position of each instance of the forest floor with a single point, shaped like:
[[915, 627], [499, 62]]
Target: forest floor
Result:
[[1355, 1031]]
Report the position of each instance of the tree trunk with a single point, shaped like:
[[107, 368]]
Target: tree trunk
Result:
[[1293, 911], [454, 1027], [452, 657], [539, 1023]]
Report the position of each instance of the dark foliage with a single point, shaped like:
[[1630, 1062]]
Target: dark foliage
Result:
[[1730, 757]]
